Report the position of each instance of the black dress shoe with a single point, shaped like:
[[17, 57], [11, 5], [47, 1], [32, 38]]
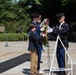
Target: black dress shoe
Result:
[[41, 62], [61, 73]]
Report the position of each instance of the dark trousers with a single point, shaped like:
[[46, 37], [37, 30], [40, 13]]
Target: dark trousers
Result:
[[40, 48], [61, 57], [38, 66]]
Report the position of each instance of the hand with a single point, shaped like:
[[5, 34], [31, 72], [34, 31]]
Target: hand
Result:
[[49, 30]]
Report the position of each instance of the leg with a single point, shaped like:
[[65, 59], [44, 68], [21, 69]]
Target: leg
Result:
[[34, 61], [40, 48], [39, 56], [62, 58], [38, 66], [41, 53]]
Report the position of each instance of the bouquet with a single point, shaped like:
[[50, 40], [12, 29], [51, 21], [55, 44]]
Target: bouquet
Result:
[[43, 29]]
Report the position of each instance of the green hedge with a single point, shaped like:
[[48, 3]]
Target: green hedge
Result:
[[13, 36]]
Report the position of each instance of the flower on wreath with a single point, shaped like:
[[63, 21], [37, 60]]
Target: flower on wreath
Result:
[[43, 29]]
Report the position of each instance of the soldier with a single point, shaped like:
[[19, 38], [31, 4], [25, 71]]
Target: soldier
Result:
[[62, 30]]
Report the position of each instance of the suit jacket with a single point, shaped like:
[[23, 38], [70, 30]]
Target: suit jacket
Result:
[[33, 41], [38, 31], [63, 34], [37, 28]]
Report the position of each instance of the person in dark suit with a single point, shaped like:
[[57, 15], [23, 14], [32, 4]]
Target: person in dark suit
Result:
[[33, 48], [62, 30], [37, 20]]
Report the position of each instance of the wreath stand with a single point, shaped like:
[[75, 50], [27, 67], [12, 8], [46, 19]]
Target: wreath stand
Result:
[[53, 69]]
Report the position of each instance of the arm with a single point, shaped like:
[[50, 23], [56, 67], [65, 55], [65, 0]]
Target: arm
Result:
[[64, 29], [57, 30], [35, 36]]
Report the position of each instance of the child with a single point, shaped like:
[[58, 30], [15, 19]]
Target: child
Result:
[[33, 48]]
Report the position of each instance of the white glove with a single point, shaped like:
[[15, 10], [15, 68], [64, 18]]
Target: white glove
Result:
[[49, 30]]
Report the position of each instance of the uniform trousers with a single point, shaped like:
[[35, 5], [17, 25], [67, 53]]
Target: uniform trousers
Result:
[[61, 57]]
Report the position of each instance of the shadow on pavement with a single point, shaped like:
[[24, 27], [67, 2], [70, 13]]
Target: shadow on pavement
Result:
[[4, 66], [26, 71]]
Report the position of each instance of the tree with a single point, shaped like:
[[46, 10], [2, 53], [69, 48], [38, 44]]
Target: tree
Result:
[[49, 8], [13, 16]]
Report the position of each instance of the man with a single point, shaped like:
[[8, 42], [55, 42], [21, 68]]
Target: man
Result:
[[62, 30], [37, 21], [33, 48]]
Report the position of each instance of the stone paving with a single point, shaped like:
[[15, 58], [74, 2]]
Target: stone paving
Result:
[[20, 47]]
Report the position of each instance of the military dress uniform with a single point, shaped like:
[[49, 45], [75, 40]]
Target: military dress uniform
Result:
[[62, 31]]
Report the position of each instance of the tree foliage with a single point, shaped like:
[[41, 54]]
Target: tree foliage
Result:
[[49, 8], [15, 14]]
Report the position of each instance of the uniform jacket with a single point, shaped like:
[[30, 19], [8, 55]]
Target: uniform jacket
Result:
[[63, 34]]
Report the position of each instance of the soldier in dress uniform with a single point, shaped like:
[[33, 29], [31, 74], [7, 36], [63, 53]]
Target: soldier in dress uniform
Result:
[[62, 30]]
